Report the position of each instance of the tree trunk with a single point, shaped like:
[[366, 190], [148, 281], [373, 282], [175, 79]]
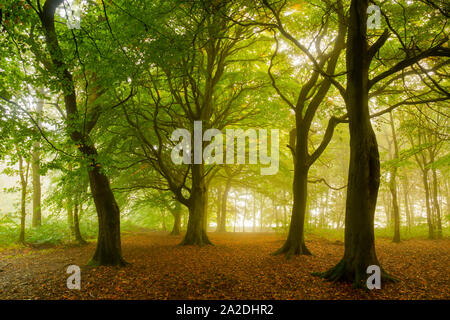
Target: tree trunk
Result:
[[176, 212], [406, 201], [364, 169], [35, 167], [436, 206], [431, 234], [254, 212], [23, 173], [393, 185], [76, 222], [295, 243], [219, 207], [70, 223], [261, 224], [196, 234], [221, 227], [109, 249]]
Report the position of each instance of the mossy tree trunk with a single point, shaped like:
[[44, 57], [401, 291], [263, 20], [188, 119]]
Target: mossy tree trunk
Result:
[[196, 233]]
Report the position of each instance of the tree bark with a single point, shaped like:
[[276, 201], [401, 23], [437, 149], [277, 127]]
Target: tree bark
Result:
[[295, 243], [393, 184], [23, 174], [406, 201], [436, 205], [108, 251], [176, 212], [196, 233], [364, 170], [426, 186], [35, 168], [76, 222], [221, 227]]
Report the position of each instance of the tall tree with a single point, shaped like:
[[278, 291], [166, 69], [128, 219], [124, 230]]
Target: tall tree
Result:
[[364, 170]]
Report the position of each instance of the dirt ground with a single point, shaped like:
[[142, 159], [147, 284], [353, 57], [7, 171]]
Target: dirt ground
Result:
[[238, 266]]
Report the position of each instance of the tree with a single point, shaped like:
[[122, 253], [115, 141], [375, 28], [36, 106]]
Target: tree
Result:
[[364, 170]]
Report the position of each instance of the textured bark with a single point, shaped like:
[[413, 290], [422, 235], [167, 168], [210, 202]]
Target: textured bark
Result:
[[109, 250], [364, 170], [196, 233], [295, 243]]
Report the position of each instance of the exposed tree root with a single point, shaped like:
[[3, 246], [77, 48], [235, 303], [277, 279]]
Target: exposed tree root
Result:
[[290, 249], [357, 277]]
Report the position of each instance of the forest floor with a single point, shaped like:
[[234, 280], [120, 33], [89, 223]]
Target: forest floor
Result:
[[238, 266]]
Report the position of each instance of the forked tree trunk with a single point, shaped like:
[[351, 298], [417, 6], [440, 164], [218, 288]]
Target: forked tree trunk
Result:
[[364, 170], [195, 233], [295, 243]]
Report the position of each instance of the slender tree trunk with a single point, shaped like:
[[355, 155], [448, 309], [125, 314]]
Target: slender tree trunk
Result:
[[176, 212], [431, 234], [393, 184], [108, 251], [221, 227], [23, 173], [205, 210], [195, 233], [235, 214], [261, 223], [254, 213], [364, 169], [70, 223], [219, 206], [406, 202], [76, 221], [436, 206], [245, 213], [22, 214], [35, 168]]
